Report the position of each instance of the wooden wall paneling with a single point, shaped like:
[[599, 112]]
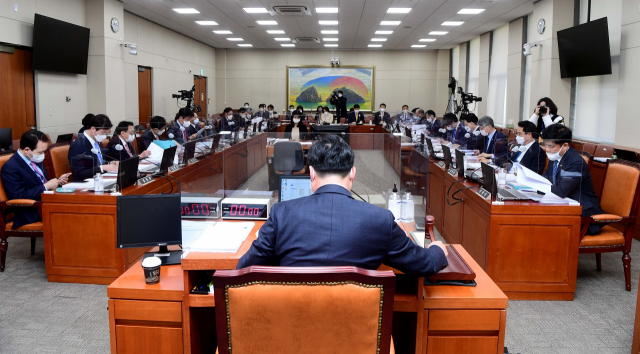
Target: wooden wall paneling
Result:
[[17, 103], [145, 108], [29, 89], [112, 325], [361, 137], [436, 198], [200, 96], [462, 345], [145, 339], [597, 176], [475, 231]]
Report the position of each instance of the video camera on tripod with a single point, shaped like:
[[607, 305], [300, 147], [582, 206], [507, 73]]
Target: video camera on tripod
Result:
[[185, 95]]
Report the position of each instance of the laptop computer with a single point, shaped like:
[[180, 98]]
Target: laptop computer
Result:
[[127, 176], [434, 155], [448, 161], [64, 138], [294, 187], [460, 166], [489, 184]]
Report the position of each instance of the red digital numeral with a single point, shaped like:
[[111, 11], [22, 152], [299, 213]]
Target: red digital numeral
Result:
[[234, 210], [187, 211], [242, 210], [205, 209], [250, 212], [196, 210], [256, 212]]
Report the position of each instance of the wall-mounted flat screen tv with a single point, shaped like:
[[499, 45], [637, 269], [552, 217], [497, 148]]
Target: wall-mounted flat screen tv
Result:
[[584, 49], [59, 46]]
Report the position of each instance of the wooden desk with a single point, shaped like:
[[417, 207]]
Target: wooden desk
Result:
[[80, 229], [469, 320]]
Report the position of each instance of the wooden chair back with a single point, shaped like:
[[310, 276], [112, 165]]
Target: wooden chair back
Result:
[[603, 151], [620, 193], [57, 155], [3, 159], [299, 310], [589, 147]]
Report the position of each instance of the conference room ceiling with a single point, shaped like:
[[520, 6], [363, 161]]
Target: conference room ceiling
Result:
[[358, 20]]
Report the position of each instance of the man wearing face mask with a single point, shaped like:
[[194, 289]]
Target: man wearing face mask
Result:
[[382, 115], [227, 121], [569, 173], [495, 143], [262, 112], [271, 112], [460, 132], [195, 125], [528, 152], [355, 117], [246, 105], [24, 176], [179, 130], [340, 102], [405, 116], [290, 112], [240, 118], [124, 137], [475, 141], [86, 155], [446, 133], [433, 124], [155, 131]]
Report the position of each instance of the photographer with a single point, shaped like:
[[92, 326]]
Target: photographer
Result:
[[545, 114], [337, 99]]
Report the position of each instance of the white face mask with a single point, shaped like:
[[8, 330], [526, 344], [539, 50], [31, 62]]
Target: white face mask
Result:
[[467, 129], [161, 132], [449, 128], [100, 137], [476, 132], [296, 120], [339, 95], [230, 118], [243, 115], [382, 109], [405, 111], [483, 132], [182, 129], [520, 140], [186, 124], [467, 135], [196, 121], [246, 106], [430, 120], [36, 158], [291, 110], [270, 111], [261, 109], [356, 111], [554, 156], [131, 138]]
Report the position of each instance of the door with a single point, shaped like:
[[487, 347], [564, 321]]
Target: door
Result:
[[200, 96], [144, 95], [17, 100]]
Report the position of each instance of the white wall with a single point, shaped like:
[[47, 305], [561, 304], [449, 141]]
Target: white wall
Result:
[[259, 76], [474, 71], [51, 89], [496, 98]]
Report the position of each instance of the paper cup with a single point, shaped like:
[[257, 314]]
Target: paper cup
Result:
[[151, 266]]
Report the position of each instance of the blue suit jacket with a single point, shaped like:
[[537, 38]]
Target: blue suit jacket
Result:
[[342, 232], [351, 118], [20, 182], [84, 163], [534, 158], [459, 133]]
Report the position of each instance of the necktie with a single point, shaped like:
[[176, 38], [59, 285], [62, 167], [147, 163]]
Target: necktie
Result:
[[184, 135], [126, 147], [95, 144], [515, 158], [35, 168], [488, 141], [555, 169]]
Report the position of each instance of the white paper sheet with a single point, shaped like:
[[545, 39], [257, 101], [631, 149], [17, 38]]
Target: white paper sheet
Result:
[[191, 230], [156, 153], [223, 237], [532, 179], [79, 185]]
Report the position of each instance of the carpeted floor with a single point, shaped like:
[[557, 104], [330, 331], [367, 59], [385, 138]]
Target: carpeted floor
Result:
[[41, 317]]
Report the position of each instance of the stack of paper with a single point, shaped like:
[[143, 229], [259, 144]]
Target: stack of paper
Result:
[[80, 185], [535, 181], [223, 237], [191, 230]]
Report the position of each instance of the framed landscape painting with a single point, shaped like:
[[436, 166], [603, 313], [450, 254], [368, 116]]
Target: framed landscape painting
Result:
[[311, 86]]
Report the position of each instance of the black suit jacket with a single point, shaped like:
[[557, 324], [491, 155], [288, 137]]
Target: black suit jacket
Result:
[[122, 154], [343, 232], [534, 158], [341, 106], [378, 120], [146, 139], [302, 128], [84, 163], [352, 118], [475, 142], [21, 182]]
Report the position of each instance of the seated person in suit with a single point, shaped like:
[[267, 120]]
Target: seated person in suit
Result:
[[326, 117], [404, 117], [85, 122], [227, 120], [446, 133], [246, 105], [24, 176], [319, 112], [381, 116], [433, 124], [495, 143], [569, 173], [528, 152], [156, 129], [177, 131], [86, 155], [289, 114], [196, 127], [296, 130], [120, 146], [262, 111], [459, 132], [355, 117], [343, 231], [271, 112], [475, 141]]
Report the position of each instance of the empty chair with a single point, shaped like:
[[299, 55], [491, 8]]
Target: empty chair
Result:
[[57, 160], [288, 157]]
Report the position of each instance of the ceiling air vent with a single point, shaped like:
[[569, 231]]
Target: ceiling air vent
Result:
[[291, 10], [306, 40]]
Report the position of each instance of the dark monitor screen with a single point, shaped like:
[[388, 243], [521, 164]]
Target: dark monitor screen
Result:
[[460, 163], [488, 178], [128, 172], [584, 49], [446, 152], [294, 187], [163, 226], [64, 138], [167, 158], [6, 141], [59, 46]]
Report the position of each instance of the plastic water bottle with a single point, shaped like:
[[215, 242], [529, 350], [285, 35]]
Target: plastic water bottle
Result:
[[395, 203], [502, 178], [407, 207], [97, 183]]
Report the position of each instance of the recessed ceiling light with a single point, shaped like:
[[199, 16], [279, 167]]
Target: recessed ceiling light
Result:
[[389, 23], [452, 23], [327, 10], [245, 45], [384, 32], [282, 39], [378, 39], [427, 40], [328, 23], [267, 23], [418, 46], [275, 31], [288, 45], [235, 39], [255, 10], [375, 45], [399, 10], [330, 39], [470, 11], [222, 32], [187, 11], [437, 33], [329, 32], [330, 45], [207, 23]]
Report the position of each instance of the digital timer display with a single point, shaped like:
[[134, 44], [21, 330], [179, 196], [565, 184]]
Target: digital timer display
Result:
[[244, 211], [198, 210]]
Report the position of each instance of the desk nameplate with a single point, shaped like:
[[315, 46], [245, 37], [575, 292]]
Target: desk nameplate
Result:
[[453, 172], [193, 160], [485, 194], [440, 164], [145, 180], [174, 168]]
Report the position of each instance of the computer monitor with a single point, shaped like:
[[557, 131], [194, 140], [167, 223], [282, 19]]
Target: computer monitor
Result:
[[64, 138], [127, 172], [446, 152], [164, 227], [489, 179], [167, 158], [189, 151], [460, 163], [6, 141], [294, 187], [432, 152]]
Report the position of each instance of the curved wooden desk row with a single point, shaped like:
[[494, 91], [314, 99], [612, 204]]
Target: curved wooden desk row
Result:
[[166, 318], [80, 229]]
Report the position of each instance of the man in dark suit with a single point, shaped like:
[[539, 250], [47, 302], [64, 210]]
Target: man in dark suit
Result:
[[196, 127], [262, 112], [446, 133], [120, 147], [355, 117], [337, 99], [382, 116], [569, 173], [85, 122], [495, 145], [156, 129], [86, 155], [405, 116], [528, 152], [24, 176], [475, 141], [343, 231], [180, 130]]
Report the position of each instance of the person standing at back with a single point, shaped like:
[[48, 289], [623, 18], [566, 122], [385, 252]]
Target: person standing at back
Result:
[[343, 231], [337, 99]]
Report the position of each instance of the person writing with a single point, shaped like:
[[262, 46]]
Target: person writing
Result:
[[341, 237], [528, 152], [495, 144], [475, 141], [123, 137], [337, 99], [433, 124], [24, 176], [296, 130], [85, 153], [156, 129], [327, 117], [381, 116], [355, 117]]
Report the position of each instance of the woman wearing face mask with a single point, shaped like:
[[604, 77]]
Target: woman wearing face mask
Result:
[[296, 130], [327, 117], [319, 112], [545, 114], [568, 172]]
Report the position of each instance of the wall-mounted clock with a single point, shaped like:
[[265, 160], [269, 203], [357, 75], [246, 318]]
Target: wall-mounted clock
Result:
[[115, 25], [541, 26]]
